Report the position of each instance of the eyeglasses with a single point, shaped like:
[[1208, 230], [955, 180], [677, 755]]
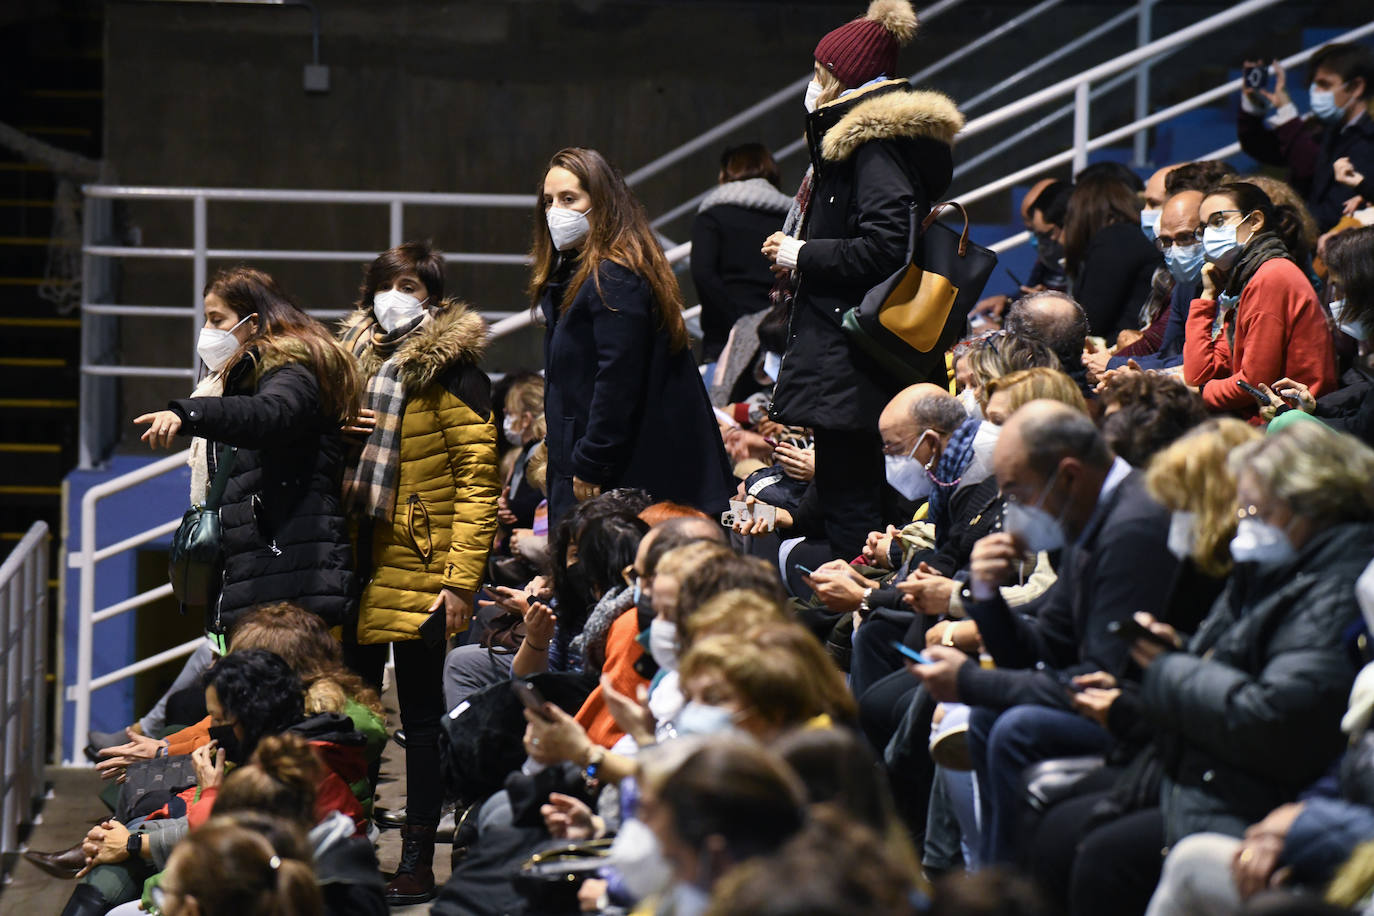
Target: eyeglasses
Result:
[[1179, 241]]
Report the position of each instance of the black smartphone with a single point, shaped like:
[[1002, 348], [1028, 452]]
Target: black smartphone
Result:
[[1130, 630], [804, 571], [1066, 681], [1014, 279], [1255, 77], [530, 697], [434, 631], [1254, 392]]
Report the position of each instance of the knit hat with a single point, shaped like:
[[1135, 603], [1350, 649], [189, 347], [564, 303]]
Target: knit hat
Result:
[[865, 48]]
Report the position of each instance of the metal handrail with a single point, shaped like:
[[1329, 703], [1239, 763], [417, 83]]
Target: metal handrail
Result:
[[78, 692], [23, 681], [790, 92], [1164, 114]]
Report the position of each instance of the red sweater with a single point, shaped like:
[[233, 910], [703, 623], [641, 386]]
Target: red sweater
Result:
[[1280, 332]]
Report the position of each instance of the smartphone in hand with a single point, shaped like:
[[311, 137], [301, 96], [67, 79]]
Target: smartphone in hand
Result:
[[910, 653], [530, 697], [1130, 630]]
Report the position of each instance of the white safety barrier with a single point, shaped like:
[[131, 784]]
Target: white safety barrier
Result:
[[23, 681]]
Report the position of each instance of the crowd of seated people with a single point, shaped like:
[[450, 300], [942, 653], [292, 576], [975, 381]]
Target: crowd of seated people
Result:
[[1104, 650]]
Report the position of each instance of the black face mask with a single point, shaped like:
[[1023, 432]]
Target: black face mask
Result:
[[1050, 251], [228, 742], [579, 585]]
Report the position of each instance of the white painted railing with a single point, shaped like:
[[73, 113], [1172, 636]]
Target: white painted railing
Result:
[[23, 681]]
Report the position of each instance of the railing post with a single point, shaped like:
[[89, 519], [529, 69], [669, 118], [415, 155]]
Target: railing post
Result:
[[1080, 126], [9, 592], [81, 702], [85, 452], [1142, 83], [397, 234], [200, 233], [40, 663]]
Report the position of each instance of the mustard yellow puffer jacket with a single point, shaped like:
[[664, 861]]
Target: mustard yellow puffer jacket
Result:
[[445, 514]]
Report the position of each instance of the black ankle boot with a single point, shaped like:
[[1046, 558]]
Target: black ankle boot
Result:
[[86, 900], [414, 880]]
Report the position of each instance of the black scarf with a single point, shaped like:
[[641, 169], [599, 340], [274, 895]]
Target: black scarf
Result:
[[1264, 246]]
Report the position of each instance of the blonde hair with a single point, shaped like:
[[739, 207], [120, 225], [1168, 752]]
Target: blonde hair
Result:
[[778, 670], [733, 611], [1191, 475], [1026, 385], [537, 468], [527, 396], [831, 87], [1320, 473]]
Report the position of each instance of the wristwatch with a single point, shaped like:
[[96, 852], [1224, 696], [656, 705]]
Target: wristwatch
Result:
[[863, 602], [135, 844]]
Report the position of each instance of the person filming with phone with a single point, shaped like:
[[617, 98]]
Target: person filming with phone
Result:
[[1338, 128]]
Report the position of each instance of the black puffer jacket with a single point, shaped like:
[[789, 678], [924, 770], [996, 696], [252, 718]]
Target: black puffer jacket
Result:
[[1250, 715], [284, 533], [875, 152]]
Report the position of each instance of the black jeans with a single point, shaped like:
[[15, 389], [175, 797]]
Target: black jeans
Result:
[[849, 483], [420, 695]]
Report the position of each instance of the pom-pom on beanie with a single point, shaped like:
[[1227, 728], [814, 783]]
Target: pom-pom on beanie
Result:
[[863, 49]]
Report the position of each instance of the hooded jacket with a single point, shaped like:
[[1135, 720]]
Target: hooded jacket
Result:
[[876, 152], [448, 483], [731, 276], [1250, 715], [284, 533]]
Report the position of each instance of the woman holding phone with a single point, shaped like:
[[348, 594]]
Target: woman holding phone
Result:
[[625, 404], [424, 488]]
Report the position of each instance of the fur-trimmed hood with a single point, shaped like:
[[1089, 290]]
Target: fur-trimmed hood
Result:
[[456, 335], [750, 193], [892, 115]]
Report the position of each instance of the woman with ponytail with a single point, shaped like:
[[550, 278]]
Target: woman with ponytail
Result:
[[283, 778], [224, 869], [1258, 319], [288, 388], [625, 404]]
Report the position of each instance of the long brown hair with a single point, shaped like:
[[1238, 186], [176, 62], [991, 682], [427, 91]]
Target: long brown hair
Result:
[[1097, 202], [620, 233], [285, 330]]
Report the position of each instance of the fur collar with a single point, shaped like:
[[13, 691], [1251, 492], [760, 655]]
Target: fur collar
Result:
[[457, 335], [893, 115], [751, 193]]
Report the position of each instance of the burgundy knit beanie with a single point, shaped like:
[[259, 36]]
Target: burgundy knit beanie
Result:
[[865, 48]]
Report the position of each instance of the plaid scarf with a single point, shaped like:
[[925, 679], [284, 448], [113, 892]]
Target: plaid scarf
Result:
[[785, 285], [369, 485], [948, 474]]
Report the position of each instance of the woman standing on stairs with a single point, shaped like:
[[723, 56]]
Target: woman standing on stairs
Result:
[[288, 387], [878, 149], [423, 488]]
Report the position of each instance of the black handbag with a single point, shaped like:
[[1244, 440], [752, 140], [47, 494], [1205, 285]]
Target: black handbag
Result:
[[907, 322], [194, 560], [549, 881]]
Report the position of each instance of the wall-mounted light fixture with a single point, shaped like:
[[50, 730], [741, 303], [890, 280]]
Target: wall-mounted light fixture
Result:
[[316, 74]]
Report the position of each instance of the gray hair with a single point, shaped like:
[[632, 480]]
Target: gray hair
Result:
[[1320, 473], [1062, 333], [940, 412]]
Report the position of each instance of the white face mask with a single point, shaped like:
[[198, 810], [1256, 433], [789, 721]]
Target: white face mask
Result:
[[1364, 595], [813, 92], [567, 227], [394, 309], [1035, 526], [1182, 534], [513, 435], [907, 476], [1261, 543], [636, 855], [969, 398], [663, 643], [772, 364], [1355, 329], [216, 346], [1149, 223]]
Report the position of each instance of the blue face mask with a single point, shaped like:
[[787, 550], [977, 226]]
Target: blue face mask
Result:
[[1035, 526], [1216, 242], [1324, 104], [1034, 240], [1185, 262], [1149, 222], [1355, 329], [703, 719]]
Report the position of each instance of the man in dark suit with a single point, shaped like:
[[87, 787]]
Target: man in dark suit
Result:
[[1064, 489], [1340, 128]]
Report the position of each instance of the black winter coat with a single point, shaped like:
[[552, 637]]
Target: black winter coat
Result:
[[730, 272], [285, 537], [622, 409], [875, 153], [1250, 715], [1113, 281]]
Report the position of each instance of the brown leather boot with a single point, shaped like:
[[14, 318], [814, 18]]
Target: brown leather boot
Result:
[[414, 879], [64, 864]]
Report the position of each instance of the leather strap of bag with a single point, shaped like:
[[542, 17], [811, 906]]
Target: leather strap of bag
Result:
[[934, 214], [222, 471]]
